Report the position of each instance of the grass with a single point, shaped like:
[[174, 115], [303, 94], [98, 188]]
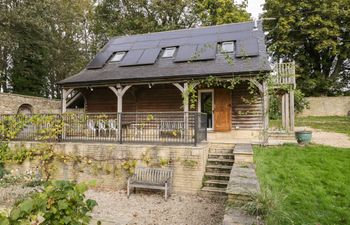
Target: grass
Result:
[[310, 185], [338, 124]]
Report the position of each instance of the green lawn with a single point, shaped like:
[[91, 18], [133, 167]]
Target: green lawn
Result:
[[309, 185], [339, 124]]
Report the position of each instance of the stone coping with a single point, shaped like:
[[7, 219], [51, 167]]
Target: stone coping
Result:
[[243, 181]]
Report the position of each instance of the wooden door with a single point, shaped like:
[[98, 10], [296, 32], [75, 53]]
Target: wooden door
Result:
[[222, 110]]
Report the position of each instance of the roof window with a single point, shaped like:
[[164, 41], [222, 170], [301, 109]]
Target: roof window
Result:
[[227, 47], [169, 52], [118, 56]]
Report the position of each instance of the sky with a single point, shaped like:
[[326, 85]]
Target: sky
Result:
[[254, 7]]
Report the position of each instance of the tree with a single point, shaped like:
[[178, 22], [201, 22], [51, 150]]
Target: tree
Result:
[[115, 18], [316, 34], [213, 12], [43, 42]]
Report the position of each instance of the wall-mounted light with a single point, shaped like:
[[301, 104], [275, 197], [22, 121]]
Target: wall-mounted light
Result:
[[150, 85], [91, 89]]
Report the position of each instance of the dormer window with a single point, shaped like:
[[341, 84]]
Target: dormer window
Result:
[[118, 56], [169, 52], [227, 47]]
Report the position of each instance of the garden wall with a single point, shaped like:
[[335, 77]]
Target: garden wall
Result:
[[10, 104], [327, 106], [109, 163]]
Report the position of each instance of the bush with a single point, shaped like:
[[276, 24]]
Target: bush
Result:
[[61, 202], [300, 103]]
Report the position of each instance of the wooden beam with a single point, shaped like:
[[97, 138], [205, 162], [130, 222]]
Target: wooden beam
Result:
[[65, 93], [291, 110], [265, 111]]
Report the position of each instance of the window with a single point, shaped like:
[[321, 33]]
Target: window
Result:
[[168, 52], [118, 56], [227, 46]]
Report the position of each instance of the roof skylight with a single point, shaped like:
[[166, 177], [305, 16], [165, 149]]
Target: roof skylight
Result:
[[227, 46], [169, 52], [118, 56]]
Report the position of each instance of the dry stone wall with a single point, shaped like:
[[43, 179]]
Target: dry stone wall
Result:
[[327, 106], [106, 166], [10, 103]]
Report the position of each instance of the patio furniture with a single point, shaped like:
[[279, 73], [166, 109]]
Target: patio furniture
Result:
[[101, 126], [91, 126], [168, 127], [151, 178], [112, 126]]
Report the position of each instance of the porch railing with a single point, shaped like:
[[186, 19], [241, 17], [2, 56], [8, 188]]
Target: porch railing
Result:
[[145, 127]]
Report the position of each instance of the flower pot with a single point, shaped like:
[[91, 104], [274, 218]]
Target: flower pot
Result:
[[303, 137]]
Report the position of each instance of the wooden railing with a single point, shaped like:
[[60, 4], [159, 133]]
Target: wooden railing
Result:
[[285, 74]]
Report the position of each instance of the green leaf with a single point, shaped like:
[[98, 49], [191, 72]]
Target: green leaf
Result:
[[15, 213], [62, 204], [91, 203], [27, 205]]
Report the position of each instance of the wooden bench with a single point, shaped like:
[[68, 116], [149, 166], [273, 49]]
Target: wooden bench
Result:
[[151, 178], [171, 126]]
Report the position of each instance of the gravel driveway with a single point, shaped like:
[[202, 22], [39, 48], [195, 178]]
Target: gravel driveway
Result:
[[151, 208]]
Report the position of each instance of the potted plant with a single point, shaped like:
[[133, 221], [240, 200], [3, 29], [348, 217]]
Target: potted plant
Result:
[[303, 137]]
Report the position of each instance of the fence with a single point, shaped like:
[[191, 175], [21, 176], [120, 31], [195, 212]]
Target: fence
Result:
[[152, 127]]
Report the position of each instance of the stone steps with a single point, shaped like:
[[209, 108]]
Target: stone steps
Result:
[[214, 189], [223, 167], [219, 164], [220, 182], [221, 160]]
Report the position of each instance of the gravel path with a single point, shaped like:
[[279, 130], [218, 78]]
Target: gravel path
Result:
[[331, 139], [151, 208]]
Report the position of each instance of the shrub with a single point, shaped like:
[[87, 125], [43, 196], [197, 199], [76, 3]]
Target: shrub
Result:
[[61, 202], [300, 103]]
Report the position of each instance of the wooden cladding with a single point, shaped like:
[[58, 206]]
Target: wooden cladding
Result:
[[246, 109], [158, 98]]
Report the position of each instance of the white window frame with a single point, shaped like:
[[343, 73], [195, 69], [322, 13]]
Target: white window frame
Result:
[[120, 55], [172, 49], [226, 43], [212, 106]]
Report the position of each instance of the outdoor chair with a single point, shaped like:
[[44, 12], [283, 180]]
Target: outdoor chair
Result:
[[101, 127], [112, 126], [91, 126]]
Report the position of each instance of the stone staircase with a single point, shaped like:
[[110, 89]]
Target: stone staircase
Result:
[[218, 168]]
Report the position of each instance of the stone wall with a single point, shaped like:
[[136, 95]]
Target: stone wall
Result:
[[187, 162], [327, 106], [10, 103]]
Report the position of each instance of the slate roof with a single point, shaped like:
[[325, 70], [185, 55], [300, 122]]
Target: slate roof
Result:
[[196, 55]]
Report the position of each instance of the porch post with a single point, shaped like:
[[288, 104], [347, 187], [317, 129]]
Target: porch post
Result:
[[119, 92], [184, 92], [65, 94], [265, 111]]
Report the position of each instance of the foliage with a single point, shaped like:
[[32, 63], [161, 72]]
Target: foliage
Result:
[[316, 35], [339, 124], [264, 205], [300, 103], [213, 12], [189, 163], [313, 179], [42, 42], [61, 202]]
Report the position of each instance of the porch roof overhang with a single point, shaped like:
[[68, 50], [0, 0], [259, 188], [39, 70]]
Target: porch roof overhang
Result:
[[147, 74]]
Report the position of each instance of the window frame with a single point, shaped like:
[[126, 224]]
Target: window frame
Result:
[[168, 48], [122, 55]]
